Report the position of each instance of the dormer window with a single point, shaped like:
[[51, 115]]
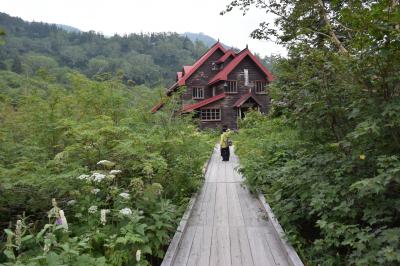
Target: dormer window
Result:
[[260, 87], [230, 86], [198, 93], [214, 66]]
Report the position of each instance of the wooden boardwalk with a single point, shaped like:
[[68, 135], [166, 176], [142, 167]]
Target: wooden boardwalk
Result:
[[228, 225]]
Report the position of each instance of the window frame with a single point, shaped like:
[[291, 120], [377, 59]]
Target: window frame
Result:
[[213, 116], [197, 97], [264, 91], [229, 82]]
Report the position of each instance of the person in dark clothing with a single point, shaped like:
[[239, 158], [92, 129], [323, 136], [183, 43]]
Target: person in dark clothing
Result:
[[224, 143]]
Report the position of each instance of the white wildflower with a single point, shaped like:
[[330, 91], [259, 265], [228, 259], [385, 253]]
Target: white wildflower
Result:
[[18, 234], [125, 195], [115, 172], [106, 163], [71, 202], [46, 247], [97, 177], [138, 254], [103, 162], [47, 243], [92, 209], [83, 177], [95, 191], [126, 211], [64, 222], [103, 216], [110, 177]]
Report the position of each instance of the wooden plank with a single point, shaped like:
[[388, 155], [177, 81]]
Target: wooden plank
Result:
[[184, 249], [250, 210], [290, 253], [195, 251], [274, 244], [205, 248], [209, 207], [261, 254], [212, 173], [236, 254], [195, 218], [220, 247], [174, 245], [234, 210], [221, 206], [229, 171], [246, 255]]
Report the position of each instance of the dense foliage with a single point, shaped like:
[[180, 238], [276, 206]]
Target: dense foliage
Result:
[[328, 155], [120, 175], [150, 59]]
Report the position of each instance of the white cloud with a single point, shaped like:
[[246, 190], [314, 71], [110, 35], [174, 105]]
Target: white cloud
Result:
[[132, 16]]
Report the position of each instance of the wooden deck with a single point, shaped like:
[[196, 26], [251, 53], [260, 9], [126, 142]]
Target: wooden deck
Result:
[[228, 225]]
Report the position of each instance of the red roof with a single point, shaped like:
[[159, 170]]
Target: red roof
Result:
[[186, 69], [191, 107], [223, 74], [200, 62], [244, 98], [226, 56]]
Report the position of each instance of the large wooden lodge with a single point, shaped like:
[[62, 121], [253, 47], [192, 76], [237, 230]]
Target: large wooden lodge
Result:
[[222, 86]]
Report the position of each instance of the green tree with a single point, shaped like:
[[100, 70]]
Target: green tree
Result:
[[338, 90], [17, 65]]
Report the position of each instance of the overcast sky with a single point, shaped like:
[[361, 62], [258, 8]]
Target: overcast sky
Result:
[[132, 16]]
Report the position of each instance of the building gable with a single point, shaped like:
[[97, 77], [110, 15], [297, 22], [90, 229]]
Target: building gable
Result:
[[244, 54], [203, 59], [254, 72]]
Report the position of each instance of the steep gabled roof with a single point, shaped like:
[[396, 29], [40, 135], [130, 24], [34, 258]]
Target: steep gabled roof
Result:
[[200, 62], [244, 98], [223, 74], [178, 75], [186, 69], [228, 54], [191, 107]]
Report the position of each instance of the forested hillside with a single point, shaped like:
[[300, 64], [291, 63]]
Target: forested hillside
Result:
[[151, 59], [328, 155]]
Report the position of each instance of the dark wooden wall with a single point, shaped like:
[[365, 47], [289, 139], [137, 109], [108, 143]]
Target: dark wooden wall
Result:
[[200, 78]]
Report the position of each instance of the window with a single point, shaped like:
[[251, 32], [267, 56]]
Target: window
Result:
[[210, 114], [198, 93], [260, 87], [230, 86], [214, 66]]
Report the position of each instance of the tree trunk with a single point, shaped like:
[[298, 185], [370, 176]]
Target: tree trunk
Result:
[[334, 38]]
